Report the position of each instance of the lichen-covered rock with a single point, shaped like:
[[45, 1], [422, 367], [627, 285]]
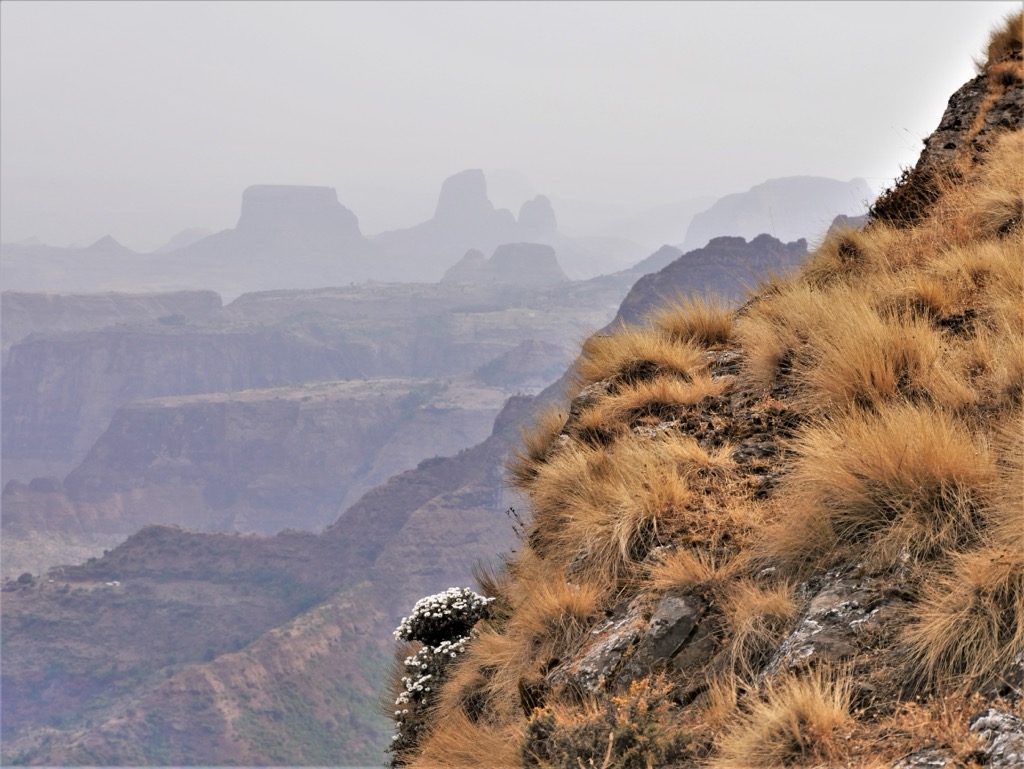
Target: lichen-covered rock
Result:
[[1002, 738]]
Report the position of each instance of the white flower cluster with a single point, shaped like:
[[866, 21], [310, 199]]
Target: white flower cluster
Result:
[[443, 615], [443, 623]]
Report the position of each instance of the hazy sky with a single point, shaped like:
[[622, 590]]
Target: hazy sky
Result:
[[139, 119]]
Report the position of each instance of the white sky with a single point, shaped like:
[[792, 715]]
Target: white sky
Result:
[[139, 119]]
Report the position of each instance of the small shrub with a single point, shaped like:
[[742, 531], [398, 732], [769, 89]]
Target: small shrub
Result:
[[635, 730]]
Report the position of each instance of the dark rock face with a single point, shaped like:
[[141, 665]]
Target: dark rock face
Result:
[[965, 133], [789, 208], [726, 266]]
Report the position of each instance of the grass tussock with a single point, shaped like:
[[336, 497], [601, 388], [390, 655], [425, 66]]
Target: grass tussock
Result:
[[602, 509], [756, 616], [799, 721], [968, 627], [695, 319], [631, 353], [903, 481], [536, 441], [457, 741], [646, 402], [1004, 41]]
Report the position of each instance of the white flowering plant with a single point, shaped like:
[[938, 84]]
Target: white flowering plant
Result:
[[443, 623], [443, 616]]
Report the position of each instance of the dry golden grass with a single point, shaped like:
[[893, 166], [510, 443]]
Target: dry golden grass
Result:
[[694, 318], [756, 616], [634, 353], [647, 402], [684, 568], [1004, 40], [906, 479], [866, 360], [900, 348], [536, 440], [799, 721], [968, 627], [456, 742]]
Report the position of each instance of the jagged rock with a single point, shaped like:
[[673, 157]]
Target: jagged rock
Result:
[[672, 626], [840, 610], [598, 659], [726, 266], [1002, 738]]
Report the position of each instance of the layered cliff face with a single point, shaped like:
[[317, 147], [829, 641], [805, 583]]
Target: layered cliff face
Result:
[[788, 535]]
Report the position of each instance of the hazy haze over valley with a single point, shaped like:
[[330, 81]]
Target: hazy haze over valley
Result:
[[140, 120]]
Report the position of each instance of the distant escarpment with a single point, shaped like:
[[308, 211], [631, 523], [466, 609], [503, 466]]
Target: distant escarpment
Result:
[[784, 534], [286, 237], [22, 314], [789, 209]]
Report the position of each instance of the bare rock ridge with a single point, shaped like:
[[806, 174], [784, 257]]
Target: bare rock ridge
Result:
[[726, 266]]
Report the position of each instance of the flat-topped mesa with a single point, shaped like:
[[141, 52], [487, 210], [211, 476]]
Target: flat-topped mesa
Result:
[[272, 207]]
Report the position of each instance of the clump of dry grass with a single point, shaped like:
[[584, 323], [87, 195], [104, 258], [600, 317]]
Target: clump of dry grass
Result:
[[756, 616], [799, 721], [647, 401], [536, 441], [1004, 41], [603, 508], [695, 318], [903, 480], [968, 627], [632, 353], [866, 359], [455, 740]]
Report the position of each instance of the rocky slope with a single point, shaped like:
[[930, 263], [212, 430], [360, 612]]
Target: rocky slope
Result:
[[787, 535]]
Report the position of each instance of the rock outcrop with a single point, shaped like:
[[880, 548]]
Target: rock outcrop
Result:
[[727, 267]]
